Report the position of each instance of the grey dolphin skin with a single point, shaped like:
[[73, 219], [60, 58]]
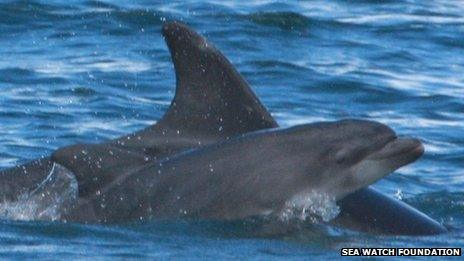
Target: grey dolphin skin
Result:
[[218, 153]]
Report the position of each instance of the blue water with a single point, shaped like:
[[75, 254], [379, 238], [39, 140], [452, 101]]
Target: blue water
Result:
[[86, 71]]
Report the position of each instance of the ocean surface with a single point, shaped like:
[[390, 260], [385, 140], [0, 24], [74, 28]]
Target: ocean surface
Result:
[[87, 71]]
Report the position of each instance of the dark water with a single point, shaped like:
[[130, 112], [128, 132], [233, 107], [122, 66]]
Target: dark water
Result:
[[85, 71]]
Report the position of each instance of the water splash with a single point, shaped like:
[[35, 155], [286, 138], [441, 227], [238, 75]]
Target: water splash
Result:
[[312, 206], [53, 197]]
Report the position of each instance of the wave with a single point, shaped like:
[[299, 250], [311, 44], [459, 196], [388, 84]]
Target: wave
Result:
[[293, 21], [16, 75], [387, 22], [313, 207], [442, 205], [283, 20], [77, 91], [398, 19], [49, 201], [92, 15]]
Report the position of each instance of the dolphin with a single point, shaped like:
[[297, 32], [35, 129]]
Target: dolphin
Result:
[[213, 107], [272, 168]]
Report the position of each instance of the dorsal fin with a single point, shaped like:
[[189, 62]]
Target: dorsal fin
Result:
[[210, 93], [212, 100]]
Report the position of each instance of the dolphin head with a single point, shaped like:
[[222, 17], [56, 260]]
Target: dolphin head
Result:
[[347, 155]]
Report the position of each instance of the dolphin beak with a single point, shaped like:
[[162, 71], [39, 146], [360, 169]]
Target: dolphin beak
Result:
[[404, 150]]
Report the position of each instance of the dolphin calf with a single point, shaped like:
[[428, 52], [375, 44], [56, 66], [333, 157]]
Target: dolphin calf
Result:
[[214, 110]]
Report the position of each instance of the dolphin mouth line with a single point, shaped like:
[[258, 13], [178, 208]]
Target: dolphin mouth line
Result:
[[399, 147]]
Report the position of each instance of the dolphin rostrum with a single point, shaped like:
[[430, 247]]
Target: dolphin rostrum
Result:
[[214, 109]]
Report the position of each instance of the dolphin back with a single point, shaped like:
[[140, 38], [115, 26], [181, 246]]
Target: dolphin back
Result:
[[371, 211]]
